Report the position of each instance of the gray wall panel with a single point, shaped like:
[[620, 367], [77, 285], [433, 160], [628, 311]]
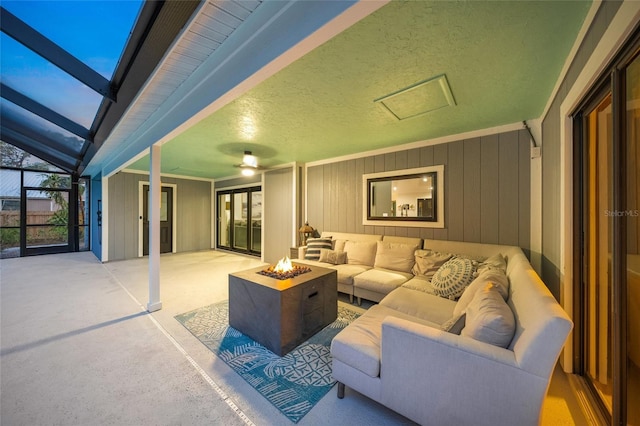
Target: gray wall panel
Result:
[[315, 195], [413, 158], [472, 197], [491, 176], [193, 214], [278, 214], [441, 156], [524, 197], [239, 181], [508, 172], [468, 180], [454, 198]]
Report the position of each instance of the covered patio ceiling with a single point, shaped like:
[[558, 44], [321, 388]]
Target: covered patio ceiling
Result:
[[303, 81]]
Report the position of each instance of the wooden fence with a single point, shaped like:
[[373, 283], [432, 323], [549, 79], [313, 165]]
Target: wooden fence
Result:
[[35, 235]]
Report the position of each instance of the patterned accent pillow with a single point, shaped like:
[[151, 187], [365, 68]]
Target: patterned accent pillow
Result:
[[314, 245], [333, 257], [453, 277]]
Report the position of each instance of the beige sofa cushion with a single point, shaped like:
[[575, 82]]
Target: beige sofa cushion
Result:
[[345, 272], [382, 281], [420, 284], [419, 304], [361, 252], [395, 256], [358, 345]]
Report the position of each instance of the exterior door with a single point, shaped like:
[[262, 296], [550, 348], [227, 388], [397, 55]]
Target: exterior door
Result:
[[166, 220], [239, 219]]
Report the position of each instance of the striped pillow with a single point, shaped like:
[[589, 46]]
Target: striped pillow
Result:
[[314, 245]]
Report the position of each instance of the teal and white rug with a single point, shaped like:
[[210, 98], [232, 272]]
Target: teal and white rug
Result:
[[293, 383]]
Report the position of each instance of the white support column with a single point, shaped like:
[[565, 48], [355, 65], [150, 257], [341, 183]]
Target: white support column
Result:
[[155, 189]]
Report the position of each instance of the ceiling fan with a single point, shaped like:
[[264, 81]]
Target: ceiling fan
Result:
[[249, 164]]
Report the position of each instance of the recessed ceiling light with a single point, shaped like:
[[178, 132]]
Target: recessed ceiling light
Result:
[[418, 99]]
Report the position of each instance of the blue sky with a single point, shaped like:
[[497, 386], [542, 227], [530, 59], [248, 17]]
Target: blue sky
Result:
[[93, 31]]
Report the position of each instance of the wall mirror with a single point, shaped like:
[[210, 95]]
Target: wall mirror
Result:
[[411, 197]]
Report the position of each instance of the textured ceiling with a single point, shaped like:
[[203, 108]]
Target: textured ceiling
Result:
[[501, 60]]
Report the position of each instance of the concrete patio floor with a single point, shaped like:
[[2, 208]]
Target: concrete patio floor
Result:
[[78, 348]]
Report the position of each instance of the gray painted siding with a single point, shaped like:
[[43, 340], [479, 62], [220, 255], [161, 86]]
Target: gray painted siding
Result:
[[487, 190], [551, 203], [278, 214], [193, 214], [238, 182]]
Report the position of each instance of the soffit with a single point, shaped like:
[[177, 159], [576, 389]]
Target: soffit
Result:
[[501, 60]]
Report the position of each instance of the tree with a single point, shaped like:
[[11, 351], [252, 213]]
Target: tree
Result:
[[12, 156], [56, 181]]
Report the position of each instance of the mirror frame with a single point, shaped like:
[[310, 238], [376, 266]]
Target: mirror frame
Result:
[[369, 178]]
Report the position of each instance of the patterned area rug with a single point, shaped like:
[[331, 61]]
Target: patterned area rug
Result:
[[293, 383]]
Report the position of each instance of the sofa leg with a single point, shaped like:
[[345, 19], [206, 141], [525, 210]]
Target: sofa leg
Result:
[[340, 390], [351, 298], [359, 301]]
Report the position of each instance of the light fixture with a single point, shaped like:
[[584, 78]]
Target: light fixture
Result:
[[306, 231], [249, 164], [249, 160]]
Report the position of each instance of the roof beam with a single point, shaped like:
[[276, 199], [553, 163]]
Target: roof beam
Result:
[[42, 111], [22, 142], [10, 123], [35, 41]]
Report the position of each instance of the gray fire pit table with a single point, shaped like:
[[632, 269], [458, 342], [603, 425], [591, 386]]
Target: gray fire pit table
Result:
[[281, 314]]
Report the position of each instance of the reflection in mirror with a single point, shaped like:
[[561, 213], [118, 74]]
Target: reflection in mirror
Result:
[[411, 197]]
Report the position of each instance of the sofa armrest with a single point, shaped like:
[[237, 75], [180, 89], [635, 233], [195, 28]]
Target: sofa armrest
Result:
[[302, 251], [435, 377]]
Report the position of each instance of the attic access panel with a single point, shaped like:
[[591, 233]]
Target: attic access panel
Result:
[[418, 99]]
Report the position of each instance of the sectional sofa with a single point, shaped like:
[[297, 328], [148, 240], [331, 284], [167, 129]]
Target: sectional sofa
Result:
[[482, 355]]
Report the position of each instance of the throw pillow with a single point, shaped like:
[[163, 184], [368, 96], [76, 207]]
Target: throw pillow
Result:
[[395, 256], [451, 278], [360, 252], [333, 257], [494, 276], [455, 324], [314, 245], [427, 262], [338, 245], [497, 261], [489, 319]]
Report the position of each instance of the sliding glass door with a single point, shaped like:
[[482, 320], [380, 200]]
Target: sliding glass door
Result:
[[607, 179], [632, 154], [598, 208], [239, 219]]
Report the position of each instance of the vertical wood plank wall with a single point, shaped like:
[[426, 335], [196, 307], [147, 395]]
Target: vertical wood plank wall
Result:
[[193, 214], [279, 215], [487, 190], [551, 157]]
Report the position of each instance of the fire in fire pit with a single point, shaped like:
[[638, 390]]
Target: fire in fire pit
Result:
[[284, 270]]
